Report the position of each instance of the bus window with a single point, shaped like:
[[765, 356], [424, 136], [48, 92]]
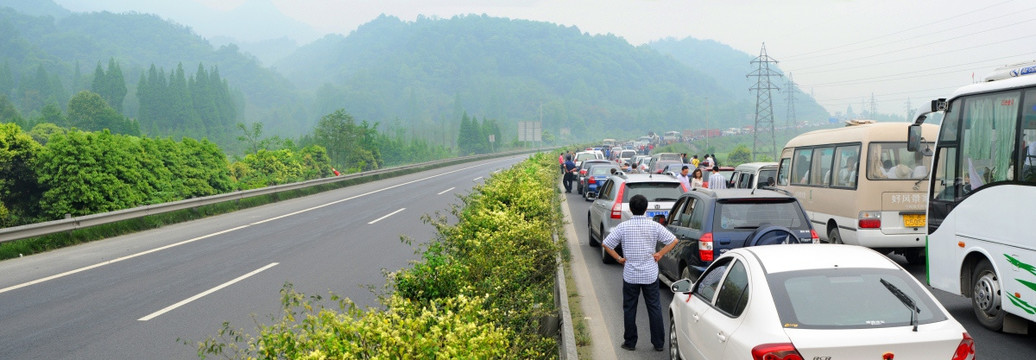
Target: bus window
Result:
[[847, 164], [894, 161], [821, 171], [1028, 153], [800, 168], [946, 185], [785, 169], [989, 117]]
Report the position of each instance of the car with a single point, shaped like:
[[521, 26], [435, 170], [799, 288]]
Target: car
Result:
[[595, 177], [587, 155], [754, 175], [675, 168], [627, 155], [726, 171], [811, 301], [581, 170], [708, 223], [660, 160], [611, 204]]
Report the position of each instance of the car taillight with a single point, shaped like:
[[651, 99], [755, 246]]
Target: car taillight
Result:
[[617, 207], [965, 350], [582, 172], [813, 234], [705, 247], [870, 220], [591, 180], [785, 351]]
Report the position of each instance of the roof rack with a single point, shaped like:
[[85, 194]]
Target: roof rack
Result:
[[1013, 70]]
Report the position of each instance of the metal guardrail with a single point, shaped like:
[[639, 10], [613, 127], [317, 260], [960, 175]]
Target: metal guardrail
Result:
[[81, 222]]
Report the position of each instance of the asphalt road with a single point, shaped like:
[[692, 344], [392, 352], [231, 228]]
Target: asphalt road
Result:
[[606, 282], [134, 296]]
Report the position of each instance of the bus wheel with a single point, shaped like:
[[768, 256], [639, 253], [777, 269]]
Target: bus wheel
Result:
[[833, 237], [985, 297]]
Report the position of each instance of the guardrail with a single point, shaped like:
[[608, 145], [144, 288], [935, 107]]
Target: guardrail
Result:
[[74, 223]]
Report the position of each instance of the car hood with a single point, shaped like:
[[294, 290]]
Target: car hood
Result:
[[931, 341]]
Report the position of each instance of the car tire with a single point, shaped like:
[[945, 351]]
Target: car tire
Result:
[[986, 295], [605, 258], [590, 234], [674, 346], [834, 237], [914, 256]]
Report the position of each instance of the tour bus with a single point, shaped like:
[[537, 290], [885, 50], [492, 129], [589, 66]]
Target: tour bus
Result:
[[860, 185], [983, 194], [608, 142]]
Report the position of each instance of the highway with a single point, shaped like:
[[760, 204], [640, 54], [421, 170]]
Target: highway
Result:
[[605, 313], [135, 296]]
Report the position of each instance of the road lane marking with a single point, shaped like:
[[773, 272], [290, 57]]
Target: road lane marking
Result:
[[209, 291], [477, 179], [446, 191], [127, 257], [383, 217]]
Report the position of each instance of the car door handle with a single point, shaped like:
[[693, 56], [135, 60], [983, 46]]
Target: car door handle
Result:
[[696, 317], [722, 338]]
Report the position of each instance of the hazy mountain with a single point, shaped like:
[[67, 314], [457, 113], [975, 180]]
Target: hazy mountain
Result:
[[37, 8]]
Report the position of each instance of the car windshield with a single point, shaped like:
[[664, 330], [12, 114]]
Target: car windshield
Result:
[[848, 298], [749, 215], [653, 191]]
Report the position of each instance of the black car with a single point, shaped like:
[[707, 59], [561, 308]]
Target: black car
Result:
[[708, 223]]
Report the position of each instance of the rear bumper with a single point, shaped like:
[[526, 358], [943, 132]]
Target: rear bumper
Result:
[[873, 238]]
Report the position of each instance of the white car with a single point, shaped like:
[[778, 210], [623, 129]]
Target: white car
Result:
[[810, 301]]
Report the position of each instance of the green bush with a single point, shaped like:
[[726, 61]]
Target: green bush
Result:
[[481, 289]]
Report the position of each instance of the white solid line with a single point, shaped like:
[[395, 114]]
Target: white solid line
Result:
[[127, 257], [209, 291], [446, 191], [383, 217]]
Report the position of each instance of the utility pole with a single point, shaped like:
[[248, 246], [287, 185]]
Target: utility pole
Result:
[[790, 89], [874, 108], [763, 102]]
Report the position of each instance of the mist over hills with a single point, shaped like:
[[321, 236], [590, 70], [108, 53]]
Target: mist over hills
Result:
[[418, 77]]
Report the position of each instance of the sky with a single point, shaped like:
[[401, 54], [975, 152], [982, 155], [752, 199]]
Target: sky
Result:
[[842, 52]]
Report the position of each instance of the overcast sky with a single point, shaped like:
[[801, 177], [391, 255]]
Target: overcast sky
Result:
[[841, 51]]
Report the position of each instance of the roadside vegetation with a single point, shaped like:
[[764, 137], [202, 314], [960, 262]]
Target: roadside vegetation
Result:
[[483, 288]]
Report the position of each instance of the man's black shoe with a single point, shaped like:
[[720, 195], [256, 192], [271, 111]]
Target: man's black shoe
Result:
[[659, 349], [627, 347]]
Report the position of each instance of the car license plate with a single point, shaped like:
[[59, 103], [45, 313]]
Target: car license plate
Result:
[[652, 214], [913, 220]]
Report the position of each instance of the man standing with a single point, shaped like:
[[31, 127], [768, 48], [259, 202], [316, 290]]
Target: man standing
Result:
[[570, 168], [638, 236], [684, 178], [716, 180], [695, 161]]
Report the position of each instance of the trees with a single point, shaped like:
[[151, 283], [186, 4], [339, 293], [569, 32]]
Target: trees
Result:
[[88, 111], [19, 191], [110, 85], [350, 147]]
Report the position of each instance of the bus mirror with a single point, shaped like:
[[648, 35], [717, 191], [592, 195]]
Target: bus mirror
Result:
[[938, 105], [913, 137]]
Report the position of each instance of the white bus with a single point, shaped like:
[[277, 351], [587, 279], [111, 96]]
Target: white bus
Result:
[[982, 195], [860, 185]]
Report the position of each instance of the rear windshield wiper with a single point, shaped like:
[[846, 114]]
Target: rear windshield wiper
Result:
[[906, 300]]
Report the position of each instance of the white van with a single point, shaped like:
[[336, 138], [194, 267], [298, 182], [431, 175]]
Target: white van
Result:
[[754, 175]]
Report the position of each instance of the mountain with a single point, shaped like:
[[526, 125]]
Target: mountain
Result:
[[511, 70], [36, 8], [730, 67]]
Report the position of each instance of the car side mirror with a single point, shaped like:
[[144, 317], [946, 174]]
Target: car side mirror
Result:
[[682, 286], [659, 219], [591, 195]]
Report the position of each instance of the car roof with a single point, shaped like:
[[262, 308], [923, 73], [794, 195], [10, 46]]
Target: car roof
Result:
[[725, 194], [639, 178], [795, 257], [753, 166]]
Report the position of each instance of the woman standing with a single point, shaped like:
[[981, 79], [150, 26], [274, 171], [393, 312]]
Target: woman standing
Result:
[[697, 180]]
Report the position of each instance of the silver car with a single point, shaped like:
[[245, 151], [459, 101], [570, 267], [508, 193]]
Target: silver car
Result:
[[611, 204]]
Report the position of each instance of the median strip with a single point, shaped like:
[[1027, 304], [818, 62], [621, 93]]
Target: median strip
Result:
[[209, 291]]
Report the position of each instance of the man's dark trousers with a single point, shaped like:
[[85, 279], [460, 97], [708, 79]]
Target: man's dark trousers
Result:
[[630, 297]]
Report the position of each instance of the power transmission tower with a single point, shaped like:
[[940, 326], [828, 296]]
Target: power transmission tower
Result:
[[763, 102], [910, 111], [874, 108], [790, 89]]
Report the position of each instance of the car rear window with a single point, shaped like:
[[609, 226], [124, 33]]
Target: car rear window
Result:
[[848, 298], [653, 191], [585, 156], [749, 215], [602, 170]]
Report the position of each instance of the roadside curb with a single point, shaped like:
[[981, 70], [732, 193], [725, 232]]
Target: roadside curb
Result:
[[567, 348]]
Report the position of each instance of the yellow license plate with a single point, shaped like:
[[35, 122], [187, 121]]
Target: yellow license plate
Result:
[[914, 221]]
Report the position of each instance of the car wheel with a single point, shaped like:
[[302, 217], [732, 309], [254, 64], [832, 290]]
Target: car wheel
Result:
[[985, 296], [605, 258], [590, 234], [674, 347], [834, 237]]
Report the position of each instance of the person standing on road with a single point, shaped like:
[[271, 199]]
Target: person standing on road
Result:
[[716, 180], [638, 236], [570, 168], [697, 179], [684, 178]]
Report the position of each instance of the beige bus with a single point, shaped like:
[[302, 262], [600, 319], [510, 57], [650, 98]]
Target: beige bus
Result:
[[860, 185]]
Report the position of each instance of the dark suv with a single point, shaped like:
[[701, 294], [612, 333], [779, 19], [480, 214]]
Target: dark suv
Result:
[[708, 223]]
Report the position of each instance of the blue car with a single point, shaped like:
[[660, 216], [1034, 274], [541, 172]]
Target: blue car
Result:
[[596, 176]]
